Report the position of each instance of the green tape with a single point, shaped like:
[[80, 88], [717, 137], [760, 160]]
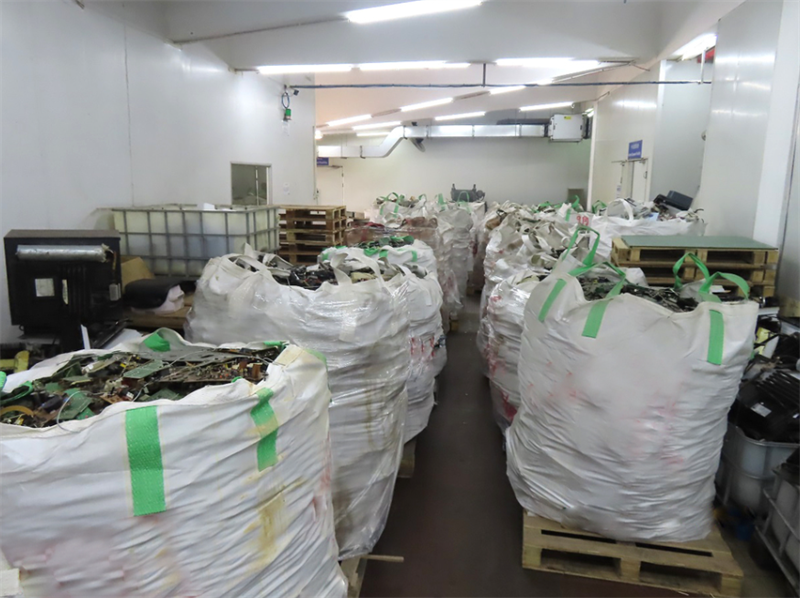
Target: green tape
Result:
[[267, 424], [278, 344], [383, 253], [595, 319], [156, 342], [144, 460], [716, 337], [560, 284], [413, 255]]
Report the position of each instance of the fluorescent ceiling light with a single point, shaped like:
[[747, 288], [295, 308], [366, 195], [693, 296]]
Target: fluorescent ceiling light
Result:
[[411, 65], [458, 116], [698, 45], [498, 90], [304, 68], [407, 9], [395, 123], [546, 106], [373, 134], [348, 120], [422, 105], [565, 65], [540, 62], [318, 134], [544, 82]]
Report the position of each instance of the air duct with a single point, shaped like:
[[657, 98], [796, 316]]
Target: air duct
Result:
[[397, 134]]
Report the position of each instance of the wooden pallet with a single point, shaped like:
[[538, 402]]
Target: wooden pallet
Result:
[[703, 567], [406, 469], [299, 256], [314, 238], [313, 212], [354, 570], [718, 258]]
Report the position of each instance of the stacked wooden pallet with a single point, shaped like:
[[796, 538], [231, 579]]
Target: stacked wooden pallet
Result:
[[307, 230], [703, 567], [755, 262]]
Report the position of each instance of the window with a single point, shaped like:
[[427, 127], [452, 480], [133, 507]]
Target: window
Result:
[[250, 184]]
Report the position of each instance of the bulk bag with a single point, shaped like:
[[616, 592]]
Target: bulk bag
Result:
[[610, 227], [225, 492], [502, 329], [623, 408], [362, 331], [428, 353]]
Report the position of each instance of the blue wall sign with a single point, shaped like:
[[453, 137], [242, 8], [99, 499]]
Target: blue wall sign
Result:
[[323, 161], [635, 150]]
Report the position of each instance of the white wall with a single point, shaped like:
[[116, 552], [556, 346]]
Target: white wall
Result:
[[626, 114], [522, 170], [682, 119], [98, 113], [740, 112]]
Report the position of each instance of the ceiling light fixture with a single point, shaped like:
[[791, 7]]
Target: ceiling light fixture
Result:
[[498, 90], [348, 120], [412, 65], [459, 116], [395, 123], [545, 106], [422, 105], [304, 68], [318, 134], [533, 62], [698, 45], [407, 9], [544, 82], [373, 134]]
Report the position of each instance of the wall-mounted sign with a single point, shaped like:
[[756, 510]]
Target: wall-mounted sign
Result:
[[323, 161], [635, 150]]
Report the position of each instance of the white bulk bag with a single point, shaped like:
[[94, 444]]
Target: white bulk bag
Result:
[[455, 224], [416, 253], [424, 301], [362, 330], [610, 227], [225, 492], [502, 329], [623, 409]]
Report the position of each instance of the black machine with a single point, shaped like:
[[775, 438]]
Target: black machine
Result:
[[676, 200], [469, 195], [62, 280]]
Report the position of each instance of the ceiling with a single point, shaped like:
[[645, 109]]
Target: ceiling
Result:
[[248, 34]]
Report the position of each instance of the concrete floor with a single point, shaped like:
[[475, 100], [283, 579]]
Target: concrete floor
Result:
[[456, 521]]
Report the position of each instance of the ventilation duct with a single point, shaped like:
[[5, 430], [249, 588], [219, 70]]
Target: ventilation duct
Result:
[[397, 134]]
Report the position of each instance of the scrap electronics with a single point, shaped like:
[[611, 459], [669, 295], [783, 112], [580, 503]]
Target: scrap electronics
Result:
[[87, 384]]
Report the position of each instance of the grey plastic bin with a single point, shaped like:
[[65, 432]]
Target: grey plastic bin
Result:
[[746, 469]]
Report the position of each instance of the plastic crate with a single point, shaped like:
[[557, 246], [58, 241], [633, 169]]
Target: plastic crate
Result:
[[178, 239], [747, 468]]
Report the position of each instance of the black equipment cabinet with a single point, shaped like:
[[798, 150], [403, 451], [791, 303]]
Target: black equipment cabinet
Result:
[[60, 280]]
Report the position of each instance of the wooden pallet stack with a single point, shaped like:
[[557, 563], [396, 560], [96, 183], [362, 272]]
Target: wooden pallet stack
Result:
[[703, 567], [755, 262], [307, 230]]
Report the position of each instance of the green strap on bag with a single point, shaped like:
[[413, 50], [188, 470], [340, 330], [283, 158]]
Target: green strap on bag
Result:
[[589, 259], [716, 326], [677, 267], [548, 303]]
